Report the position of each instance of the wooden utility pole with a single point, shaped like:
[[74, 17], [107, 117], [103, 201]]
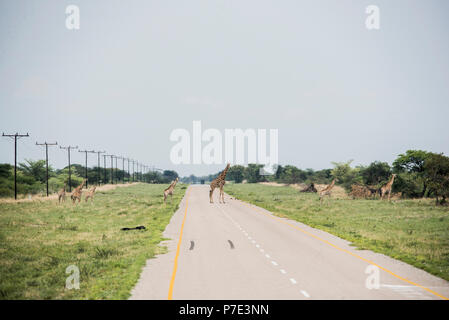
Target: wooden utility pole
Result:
[[68, 148], [99, 165], [46, 155], [16, 136], [85, 169]]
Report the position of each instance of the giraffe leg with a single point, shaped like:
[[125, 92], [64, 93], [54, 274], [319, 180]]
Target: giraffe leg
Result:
[[211, 191], [222, 194]]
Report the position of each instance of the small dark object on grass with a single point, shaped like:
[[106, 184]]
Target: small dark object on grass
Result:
[[136, 228]]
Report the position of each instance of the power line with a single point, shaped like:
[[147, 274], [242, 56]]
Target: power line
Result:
[[68, 148], [46, 155], [85, 170], [16, 136]]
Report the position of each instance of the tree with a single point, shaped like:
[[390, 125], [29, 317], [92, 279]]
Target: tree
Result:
[[5, 170], [252, 173], [412, 162], [236, 173], [169, 175], [436, 175], [376, 173], [345, 174], [36, 169], [291, 174]]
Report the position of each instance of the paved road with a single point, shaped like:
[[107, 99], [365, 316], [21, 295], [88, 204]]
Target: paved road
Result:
[[240, 251]]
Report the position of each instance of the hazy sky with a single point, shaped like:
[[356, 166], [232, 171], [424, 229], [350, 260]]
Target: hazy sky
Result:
[[136, 70]]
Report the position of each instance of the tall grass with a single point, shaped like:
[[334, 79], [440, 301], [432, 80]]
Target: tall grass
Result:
[[39, 240]]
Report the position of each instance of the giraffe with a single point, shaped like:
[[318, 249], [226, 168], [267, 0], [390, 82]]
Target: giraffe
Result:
[[61, 193], [90, 193], [219, 182], [327, 191], [387, 188], [76, 194], [169, 190]]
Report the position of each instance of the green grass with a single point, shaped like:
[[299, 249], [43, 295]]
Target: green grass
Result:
[[414, 231], [39, 240]]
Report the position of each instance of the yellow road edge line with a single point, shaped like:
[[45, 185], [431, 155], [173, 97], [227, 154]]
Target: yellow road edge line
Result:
[[344, 250], [175, 266]]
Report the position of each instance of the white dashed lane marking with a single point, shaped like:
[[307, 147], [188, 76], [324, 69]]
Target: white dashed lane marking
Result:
[[305, 293], [274, 263]]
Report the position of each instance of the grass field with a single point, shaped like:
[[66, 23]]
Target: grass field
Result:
[[40, 239], [414, 231]]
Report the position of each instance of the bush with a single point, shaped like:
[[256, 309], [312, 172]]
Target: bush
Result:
[[346, 175]]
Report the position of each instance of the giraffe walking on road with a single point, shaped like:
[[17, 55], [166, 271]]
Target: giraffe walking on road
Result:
[[219, 182]]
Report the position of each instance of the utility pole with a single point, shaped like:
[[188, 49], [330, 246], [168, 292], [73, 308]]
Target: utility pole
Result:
[[16, 136], [116, 171], [85, 170], [133, 169], [68, 148], [105, 170], [99, 165], [129, 177], [46, 155], [112, 167], [123, 169]]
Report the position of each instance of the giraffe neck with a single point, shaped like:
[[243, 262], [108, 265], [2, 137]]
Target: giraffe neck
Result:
[[81, 186], [390, 183], [222, 176]]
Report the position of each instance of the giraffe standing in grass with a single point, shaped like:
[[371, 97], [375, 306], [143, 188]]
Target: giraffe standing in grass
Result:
[[169, 190], [61, 193], [387, 188], [327, 191], [90, 193], [219, 182], [76, 194]]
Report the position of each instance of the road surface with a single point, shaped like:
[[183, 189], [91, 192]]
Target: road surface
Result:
[[240, 251]]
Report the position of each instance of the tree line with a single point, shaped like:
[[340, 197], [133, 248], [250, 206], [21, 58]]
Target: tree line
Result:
[[31, 177], [418, 174]]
